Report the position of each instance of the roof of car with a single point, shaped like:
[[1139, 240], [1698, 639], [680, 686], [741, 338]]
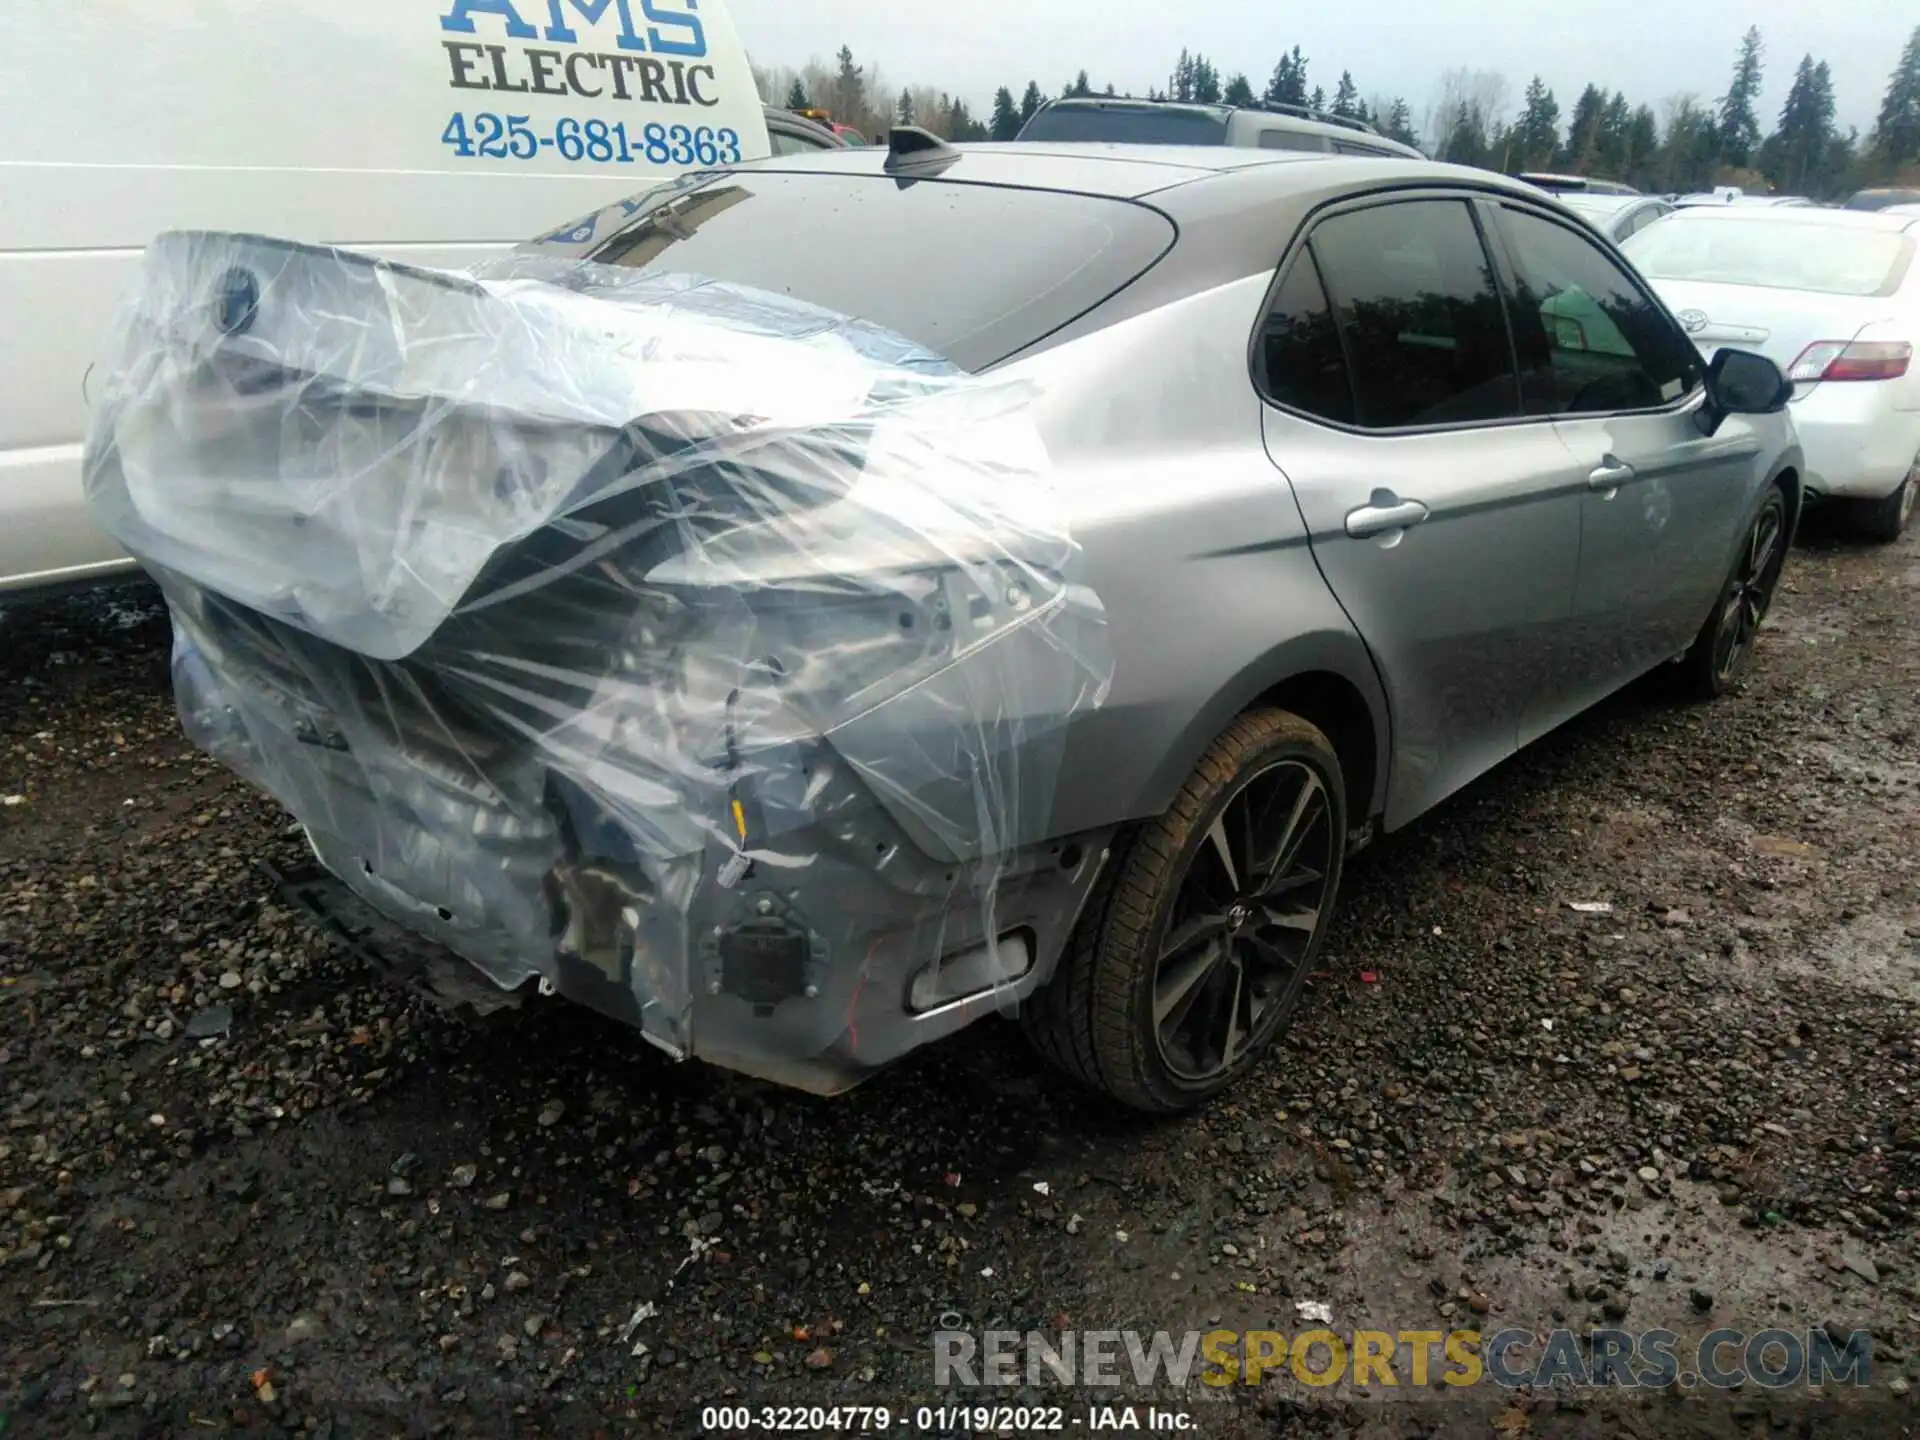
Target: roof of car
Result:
[[1603, 204], [1134, 171], [1796, 215], [1346, 129], [1577, 184]]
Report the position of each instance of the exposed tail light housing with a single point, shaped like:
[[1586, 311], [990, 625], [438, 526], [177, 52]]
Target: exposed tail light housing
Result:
[[1851, 360]]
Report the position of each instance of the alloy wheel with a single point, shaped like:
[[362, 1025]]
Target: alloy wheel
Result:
[[1751, 593], [1256, 892]]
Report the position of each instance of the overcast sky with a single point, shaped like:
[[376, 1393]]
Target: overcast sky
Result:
[[1648, 48]]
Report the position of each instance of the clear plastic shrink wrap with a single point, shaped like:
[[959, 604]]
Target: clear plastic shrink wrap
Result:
[[701, 653]]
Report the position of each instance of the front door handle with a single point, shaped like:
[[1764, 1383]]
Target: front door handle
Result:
[[1377, 519], [1610, 474]]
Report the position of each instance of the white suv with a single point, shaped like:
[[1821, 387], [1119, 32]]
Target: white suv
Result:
[[1124, 120]]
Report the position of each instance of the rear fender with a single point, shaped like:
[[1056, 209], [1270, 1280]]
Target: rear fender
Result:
[[1333, 652]]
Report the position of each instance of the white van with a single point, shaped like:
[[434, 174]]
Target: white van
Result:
[[435, 131]]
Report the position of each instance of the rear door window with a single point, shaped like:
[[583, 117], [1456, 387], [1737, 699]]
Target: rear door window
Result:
[[1413, 293]]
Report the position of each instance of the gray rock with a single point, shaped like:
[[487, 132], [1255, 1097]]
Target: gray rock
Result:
[[1860, 1263], [212, 1021]]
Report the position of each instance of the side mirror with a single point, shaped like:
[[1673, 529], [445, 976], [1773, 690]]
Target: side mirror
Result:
[[1740, 382]]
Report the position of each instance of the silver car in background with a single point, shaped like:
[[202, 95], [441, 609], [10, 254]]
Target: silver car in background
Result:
[[1380, 469], [1616, 216]]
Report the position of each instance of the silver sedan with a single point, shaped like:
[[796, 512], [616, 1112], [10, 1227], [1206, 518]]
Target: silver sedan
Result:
[[1375, 470]]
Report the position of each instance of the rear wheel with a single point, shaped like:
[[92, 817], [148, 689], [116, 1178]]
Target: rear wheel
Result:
[[1196, 946], [1886, 519], [1720, 652]]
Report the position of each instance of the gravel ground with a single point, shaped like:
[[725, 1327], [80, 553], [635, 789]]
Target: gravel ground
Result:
[[344, 1211]]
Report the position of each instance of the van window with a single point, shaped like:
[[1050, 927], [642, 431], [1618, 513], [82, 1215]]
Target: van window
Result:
[[971, 272], [1414, 295], [787, 143], [1271, 139], [1127, 125]]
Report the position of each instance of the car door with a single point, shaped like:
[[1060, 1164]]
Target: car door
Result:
[[1444, 522], [1661, 502]]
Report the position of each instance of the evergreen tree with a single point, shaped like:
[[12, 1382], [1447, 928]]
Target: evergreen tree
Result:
[[1739, 128], [1110, 91], [1643, 149], [1317, 100], [1206, 81], [1239, 91], [1360, 112], [1397, 123], [1466, 141], [1896, 134], [1346, 98], [1289, 83], [1180, 85], [1583, 131], [1006, 115], [1031, 101], [903, 107], [961, 125], [1842, 168], [1080, 87], [797, 96], [1796, 151], [1537, 136], [1610, 137], [849, 88], [1690, 152]]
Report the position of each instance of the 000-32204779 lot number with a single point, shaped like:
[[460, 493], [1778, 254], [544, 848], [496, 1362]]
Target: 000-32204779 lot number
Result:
[[488, 136], [857, 1419]]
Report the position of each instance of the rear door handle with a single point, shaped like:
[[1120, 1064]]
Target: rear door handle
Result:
[[1609, 475], [1376, 519]]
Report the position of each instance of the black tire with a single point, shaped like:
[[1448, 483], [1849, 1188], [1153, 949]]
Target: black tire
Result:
[[1096, 1018], [1710, 668], [1885, 520]]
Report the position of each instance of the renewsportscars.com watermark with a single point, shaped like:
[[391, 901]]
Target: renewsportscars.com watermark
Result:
[[1603, 1358]]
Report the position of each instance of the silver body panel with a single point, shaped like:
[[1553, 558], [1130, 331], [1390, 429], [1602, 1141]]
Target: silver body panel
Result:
[[1215, 524], [1238, 551]]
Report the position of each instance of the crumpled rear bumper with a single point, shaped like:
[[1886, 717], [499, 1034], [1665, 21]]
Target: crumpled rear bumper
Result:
[[688, 652]]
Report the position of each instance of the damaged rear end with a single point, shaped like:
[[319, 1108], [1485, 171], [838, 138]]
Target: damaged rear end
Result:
[[686, 650]]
